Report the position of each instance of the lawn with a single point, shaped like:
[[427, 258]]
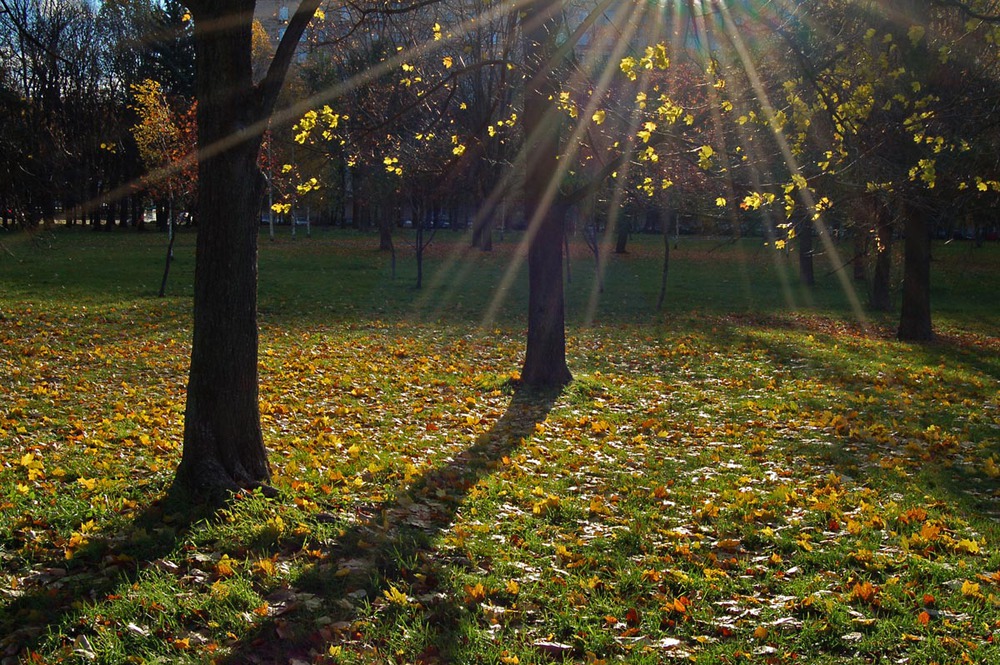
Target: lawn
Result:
[[758, 473]]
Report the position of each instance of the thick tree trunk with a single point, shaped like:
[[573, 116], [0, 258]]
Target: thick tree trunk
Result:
[[915, 315], [223, 442], [545, 354]]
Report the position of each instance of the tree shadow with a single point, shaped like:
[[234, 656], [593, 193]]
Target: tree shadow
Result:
[[109, 561], [931, 442], [394, 547]]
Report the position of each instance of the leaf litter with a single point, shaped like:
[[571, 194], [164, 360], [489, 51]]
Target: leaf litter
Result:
[[729, 492]]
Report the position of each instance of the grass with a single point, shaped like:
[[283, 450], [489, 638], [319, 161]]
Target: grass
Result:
[[753, 475]]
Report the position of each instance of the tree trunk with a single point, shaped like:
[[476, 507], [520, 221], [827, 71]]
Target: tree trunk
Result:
[[124, 209], [569, 259], [622, 227], [671, 217], [385, 233], [915, 316], [223, 442], [419, 251], [109, 222], [881, 293], [545, 354], [807, 273]]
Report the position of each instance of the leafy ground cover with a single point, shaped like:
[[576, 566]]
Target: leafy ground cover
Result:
[[753, 476]]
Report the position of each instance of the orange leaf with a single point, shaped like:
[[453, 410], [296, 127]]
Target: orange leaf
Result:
[[475, 592], [924, 618], [864, 592]]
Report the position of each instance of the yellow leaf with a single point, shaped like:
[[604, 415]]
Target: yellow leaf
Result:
[[598, 117], [930, 531], [598, 507], [971, 589], [475, 593], [395, 596], [545, 505], [967, 546], [990, 468], [447, 61], [224, 568], [264, 567]]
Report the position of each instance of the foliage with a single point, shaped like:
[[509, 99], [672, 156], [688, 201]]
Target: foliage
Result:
[[166, 139], [719, 486]]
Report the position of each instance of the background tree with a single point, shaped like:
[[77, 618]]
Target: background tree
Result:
[[545, 349]]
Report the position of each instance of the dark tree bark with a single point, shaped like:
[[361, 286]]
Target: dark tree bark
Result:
[[545, 353], [223, 442], [671, 218], [881, 292], [622, 227], [385, 233], [915, 314], [807, 273]]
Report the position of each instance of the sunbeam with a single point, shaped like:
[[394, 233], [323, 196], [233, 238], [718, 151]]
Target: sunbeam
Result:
[[632, 15], [807, 198]]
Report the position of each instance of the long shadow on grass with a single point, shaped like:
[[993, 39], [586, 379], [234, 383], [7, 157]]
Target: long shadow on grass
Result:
[[392, 550], [945, 460], [55, 587]]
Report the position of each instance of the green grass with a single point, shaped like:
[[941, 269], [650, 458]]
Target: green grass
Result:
[[755, 474]]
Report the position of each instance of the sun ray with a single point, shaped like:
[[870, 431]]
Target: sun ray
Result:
[[633, 17], [807, 197], [620, 182]]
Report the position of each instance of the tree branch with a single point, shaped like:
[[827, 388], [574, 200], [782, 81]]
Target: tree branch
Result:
[[963, 6], [270, 85]]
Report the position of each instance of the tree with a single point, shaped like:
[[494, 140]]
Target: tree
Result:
[[223, 443], [166, 140], [545, 350]]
